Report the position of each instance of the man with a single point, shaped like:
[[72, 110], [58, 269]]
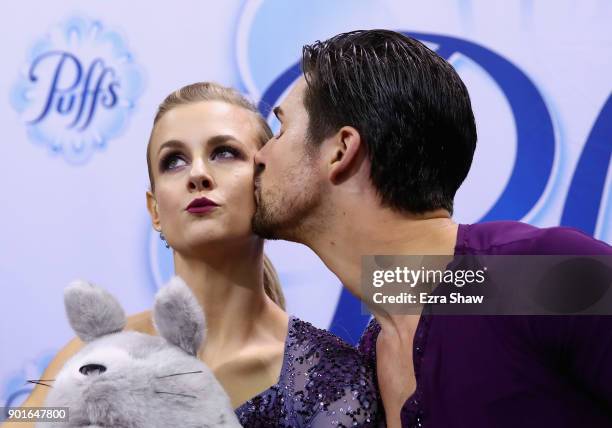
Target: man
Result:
[[375, 140]]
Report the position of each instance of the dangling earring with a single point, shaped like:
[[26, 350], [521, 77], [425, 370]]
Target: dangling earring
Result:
[[163, 238]]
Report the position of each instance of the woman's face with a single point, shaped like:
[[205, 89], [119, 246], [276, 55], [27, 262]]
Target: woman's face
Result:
[[202, 165]]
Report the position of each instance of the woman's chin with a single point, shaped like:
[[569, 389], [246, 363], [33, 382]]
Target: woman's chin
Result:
[[218, 242]]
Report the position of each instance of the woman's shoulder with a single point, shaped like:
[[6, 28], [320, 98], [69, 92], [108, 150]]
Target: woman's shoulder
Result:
[[330, 377], [141, 322], [305, 341], [313, 349], [367, 342]]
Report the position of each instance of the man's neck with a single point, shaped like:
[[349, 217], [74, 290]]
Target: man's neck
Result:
[[379, 231]]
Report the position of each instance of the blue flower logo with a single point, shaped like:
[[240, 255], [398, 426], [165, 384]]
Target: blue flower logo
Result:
[[77, 89]]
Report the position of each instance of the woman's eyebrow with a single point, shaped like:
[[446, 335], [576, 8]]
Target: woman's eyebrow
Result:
[[212, 141], [170, 143], [220, 139]]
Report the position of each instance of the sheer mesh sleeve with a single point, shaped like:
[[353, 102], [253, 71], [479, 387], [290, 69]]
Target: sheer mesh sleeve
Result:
[[332, 382], [324, 382], [352, 409], [367, 342]]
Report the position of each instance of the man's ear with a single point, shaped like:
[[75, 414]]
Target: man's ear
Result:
[[152, 208], [344, 154]]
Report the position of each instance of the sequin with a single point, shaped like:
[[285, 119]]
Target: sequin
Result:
[[320, 372], [412, 412]]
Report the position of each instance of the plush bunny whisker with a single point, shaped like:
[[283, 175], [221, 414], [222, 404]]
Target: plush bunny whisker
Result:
[[176, 393], [178, 374], [40, 382]]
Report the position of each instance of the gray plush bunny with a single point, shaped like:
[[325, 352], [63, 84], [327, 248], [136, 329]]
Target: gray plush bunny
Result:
[[129, 379]]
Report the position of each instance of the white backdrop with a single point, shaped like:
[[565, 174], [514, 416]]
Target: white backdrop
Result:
[[81, 80]]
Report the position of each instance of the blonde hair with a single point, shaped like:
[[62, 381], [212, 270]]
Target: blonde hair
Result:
[[206, 91], [209, 91]]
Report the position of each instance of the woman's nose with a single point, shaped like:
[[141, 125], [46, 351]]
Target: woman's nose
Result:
[[200, 178]]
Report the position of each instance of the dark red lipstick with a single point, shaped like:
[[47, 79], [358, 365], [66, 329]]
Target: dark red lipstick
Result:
[[201, 205]]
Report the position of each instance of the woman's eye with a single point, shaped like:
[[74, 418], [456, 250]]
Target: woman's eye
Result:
[[225, 152], [172, 161]]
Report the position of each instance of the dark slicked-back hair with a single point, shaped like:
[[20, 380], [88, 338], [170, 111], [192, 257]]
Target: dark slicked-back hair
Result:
[[411, 109]]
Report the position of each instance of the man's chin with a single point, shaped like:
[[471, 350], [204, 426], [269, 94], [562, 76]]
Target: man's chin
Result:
[[282, 218], [264, 226]]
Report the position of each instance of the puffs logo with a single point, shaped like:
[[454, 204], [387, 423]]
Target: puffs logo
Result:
[[77, 89]]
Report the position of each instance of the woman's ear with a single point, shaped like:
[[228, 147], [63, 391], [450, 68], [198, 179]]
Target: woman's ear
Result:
[[344, 154], [152, 208]]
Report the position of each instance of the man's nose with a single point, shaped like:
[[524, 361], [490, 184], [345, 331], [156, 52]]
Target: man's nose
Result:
[[259, 167], [259, 161], [199, 177]]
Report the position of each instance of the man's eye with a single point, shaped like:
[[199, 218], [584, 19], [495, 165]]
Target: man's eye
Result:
[[172, 161], [225, 152]]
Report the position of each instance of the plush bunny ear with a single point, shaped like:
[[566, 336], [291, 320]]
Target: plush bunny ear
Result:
[[92, 311], [178, 317]]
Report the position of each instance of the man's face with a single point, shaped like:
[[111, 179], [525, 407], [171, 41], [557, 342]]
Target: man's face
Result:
[[287, 178]]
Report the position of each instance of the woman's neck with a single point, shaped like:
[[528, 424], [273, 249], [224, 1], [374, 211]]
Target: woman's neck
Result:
[[229, 288]]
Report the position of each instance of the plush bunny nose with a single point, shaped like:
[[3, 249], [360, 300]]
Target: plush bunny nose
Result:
[[92, 369]]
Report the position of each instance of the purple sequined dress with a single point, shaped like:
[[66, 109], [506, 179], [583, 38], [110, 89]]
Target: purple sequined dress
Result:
[[510, 371], [324, 382]]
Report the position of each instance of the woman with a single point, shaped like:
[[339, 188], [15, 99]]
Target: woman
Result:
[[277, 369]]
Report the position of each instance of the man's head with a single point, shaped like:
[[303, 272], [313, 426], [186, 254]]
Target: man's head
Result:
[[377, 96]]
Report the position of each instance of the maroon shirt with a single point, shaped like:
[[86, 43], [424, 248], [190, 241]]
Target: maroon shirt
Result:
[[511, 371]]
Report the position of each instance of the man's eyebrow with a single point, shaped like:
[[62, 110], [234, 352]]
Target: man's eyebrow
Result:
[[278, 112]]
